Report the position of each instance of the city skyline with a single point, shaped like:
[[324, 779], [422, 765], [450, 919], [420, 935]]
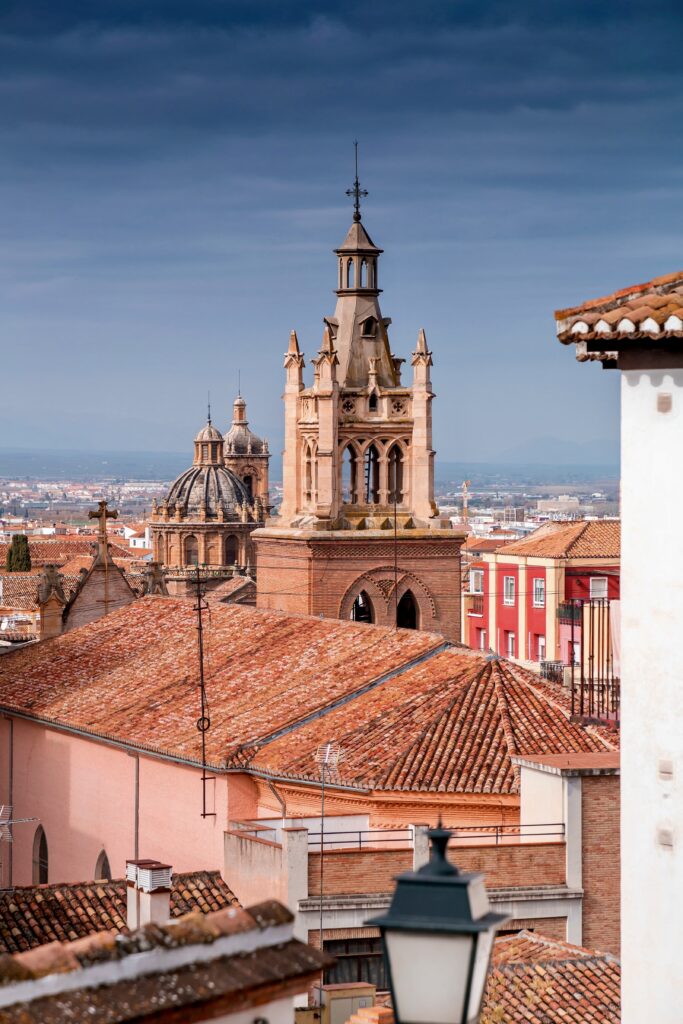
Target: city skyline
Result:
[[154, 245]]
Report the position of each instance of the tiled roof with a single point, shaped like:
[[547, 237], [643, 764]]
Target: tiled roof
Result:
[[223, 961], [60, 550], [410, 714], [131, 675], [450, 724], [485, 543], [537, 981], [78, 562], [600, 538], [20, 589], [237, 588], [33, 915], [652, 311]]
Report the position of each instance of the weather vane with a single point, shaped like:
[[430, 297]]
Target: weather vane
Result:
[[357, 192]]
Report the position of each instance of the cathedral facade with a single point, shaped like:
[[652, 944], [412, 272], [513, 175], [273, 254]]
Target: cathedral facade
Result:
[[359, 534]]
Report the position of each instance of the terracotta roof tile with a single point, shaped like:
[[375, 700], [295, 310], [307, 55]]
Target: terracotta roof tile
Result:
[[264, 671], [31, 916], [599, 538], [573, 991], [60, 550]]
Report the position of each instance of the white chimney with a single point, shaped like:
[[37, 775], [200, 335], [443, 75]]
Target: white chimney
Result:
[[148, 892]]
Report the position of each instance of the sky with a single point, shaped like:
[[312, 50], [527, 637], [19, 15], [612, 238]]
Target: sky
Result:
[[172, 180]]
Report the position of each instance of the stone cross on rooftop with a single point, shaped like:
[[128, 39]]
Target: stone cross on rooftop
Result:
[[356, 192], [103, 514]]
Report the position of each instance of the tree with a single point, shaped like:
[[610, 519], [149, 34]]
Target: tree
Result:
[[18, 554]]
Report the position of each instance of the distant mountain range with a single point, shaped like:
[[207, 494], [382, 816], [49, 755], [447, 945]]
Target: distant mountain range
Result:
[[545, 461]]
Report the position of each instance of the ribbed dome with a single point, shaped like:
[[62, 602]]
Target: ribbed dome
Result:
[[209, 433], [240, 440], [207, 486]]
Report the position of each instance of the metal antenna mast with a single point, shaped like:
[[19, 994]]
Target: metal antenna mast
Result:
[[204, 721], [328, 757], [6, 823]]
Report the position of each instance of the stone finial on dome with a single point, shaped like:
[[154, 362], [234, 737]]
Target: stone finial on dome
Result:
[[208, 446], [240, 440]]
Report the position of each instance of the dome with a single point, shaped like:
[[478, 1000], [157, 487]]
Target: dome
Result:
[[240, 440], [210, 487], [209, 433]]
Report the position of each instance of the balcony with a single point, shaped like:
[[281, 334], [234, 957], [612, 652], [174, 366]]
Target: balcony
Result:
[[474, 604], [570, 612]]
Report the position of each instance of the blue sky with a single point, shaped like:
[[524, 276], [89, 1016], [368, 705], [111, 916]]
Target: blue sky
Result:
[[172, 181]]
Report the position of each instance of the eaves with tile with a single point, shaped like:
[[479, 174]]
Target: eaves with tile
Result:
[[195, 968]]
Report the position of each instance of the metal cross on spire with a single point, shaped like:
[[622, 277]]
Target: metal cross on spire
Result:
[[356, 192]]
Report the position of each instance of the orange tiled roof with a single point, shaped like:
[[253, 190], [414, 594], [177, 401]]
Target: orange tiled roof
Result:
[[20, 589], [525, 946], [600, 538], [485, 543], [33, 915], [450, 724], [411, 715], [59, 550]]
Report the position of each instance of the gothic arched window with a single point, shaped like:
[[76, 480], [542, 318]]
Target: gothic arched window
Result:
[[248, 482], [349, 474], [371, 482], [102, 869], [350, 273], [369, 328], [363, 273], [395, 474], [406, 613], [160, 547], [362, 610], [191, 548], [40, 857], [373, 402]]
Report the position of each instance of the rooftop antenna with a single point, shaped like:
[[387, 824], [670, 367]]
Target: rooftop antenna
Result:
[[239, 383], [208, 396], [204, 720], [328, 756], [356, 192], [6, 823]]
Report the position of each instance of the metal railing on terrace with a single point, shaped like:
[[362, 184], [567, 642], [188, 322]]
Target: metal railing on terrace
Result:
[[505, 834], [362, 838]]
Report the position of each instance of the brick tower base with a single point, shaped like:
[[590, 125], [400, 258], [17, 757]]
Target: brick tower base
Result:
[[322, 573]]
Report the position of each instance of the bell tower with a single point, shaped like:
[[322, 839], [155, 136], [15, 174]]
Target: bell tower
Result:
[[359, 534]]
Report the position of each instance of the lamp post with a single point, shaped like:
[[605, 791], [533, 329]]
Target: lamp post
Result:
[[437, 937]]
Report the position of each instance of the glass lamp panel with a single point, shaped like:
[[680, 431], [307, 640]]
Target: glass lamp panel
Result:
[[481, 963], [429, 975]]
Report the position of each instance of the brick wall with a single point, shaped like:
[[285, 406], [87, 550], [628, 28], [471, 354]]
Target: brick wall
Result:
[[548, 927], [525, 864], [365, 871], [601, 851], [357, 871]]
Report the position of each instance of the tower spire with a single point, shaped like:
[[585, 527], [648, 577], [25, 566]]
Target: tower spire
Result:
[[356, 191]]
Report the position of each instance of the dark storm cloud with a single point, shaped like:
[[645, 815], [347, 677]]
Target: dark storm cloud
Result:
[[173, 171]]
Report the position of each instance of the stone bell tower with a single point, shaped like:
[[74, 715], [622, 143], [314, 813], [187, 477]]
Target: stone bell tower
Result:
[[359, 535]]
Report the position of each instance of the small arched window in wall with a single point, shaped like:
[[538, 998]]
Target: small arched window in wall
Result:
[[371, 482], [373, 402], [40, 857], [395, 474], [406, 613], [362, 610], [248, 482], [205, 452], [191, 548], [341, 273], [309, 473], [231, 549], [161, 548], [349, 474], [369, 328], [102, 869], [363, 273], [350, 273]]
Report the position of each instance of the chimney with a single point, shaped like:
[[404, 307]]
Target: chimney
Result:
[[148, 892]]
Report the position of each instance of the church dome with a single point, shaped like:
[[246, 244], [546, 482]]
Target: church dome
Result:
[[210, 488], [240, 440], [209, 433]]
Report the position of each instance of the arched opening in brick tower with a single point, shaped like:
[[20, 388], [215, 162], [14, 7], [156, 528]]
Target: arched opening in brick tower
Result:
[[406, 613], [362, 610], [349, 487], [230, 550], [371, 482], [40, 857], [395, 474]]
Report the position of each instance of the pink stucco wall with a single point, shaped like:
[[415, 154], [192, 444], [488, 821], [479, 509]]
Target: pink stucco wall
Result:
[[83, 793]]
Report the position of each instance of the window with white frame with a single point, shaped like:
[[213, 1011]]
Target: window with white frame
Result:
[[540, 648], [476, 581], [539, 592], [511, 645], [508, 590], [598, 588], [482, 639]]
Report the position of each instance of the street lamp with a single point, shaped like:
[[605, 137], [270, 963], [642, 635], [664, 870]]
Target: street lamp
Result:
[[437, 938]]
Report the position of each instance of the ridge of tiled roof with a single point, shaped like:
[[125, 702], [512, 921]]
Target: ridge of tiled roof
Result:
[[450, 724], [526, 945], [60, 550], [599, 538], [33, 915]]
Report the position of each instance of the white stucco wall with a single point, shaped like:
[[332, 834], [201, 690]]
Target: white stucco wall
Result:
[[652, 697]]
